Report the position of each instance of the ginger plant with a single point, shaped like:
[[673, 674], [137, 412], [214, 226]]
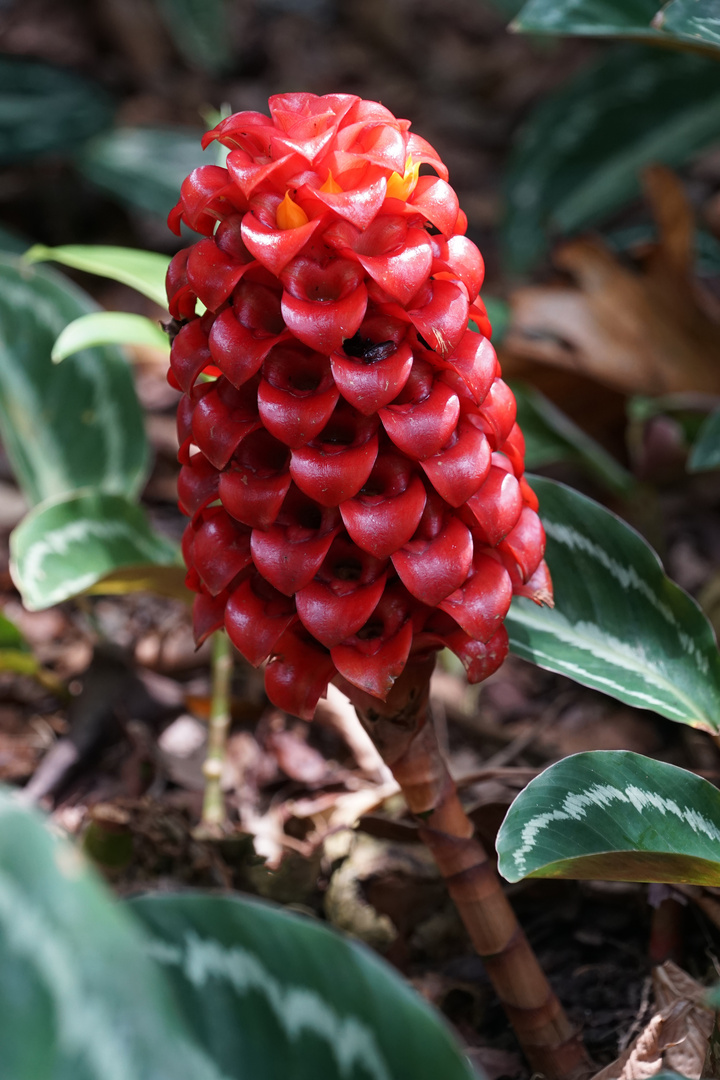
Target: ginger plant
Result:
[[351, 465]]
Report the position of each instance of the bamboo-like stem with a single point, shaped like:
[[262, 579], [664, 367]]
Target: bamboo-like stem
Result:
[[213, 811], [400, 729]]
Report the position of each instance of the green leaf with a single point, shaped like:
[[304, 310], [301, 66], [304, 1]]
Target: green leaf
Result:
[[619, 624], [143, 167], [682, 23], [580, 154], [690, 21], [108, 328], [10, 636], [613, 815], [499, 315], [550, 435], [200, 31], [270, 994], [14, 652], [65, 547], [79, 995], [706, 450], [142, 270], [44, 109], [602, 18], [69, 427]]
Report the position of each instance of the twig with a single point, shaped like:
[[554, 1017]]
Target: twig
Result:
[[213, 811]]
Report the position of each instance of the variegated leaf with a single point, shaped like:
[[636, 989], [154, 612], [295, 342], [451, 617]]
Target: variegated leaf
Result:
[[270, 994], [616, 816], [67, 427], [619, 624], [79, 995], [70, 545]]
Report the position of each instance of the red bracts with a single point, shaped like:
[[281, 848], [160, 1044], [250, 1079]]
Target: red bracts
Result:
[[351, 465]]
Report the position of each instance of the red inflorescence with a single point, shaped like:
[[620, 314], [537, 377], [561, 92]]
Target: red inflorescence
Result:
[[350, 459]]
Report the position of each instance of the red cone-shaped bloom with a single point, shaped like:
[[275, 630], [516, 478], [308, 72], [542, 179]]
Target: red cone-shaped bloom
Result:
[[354, 473]]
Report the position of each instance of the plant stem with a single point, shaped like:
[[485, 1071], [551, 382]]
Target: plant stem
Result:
[[213, 811], [400, 729]]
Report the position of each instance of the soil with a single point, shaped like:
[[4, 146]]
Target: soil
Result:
[[467, 85]]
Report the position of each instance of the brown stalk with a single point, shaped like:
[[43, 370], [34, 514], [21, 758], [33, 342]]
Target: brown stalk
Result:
[[406, 740]]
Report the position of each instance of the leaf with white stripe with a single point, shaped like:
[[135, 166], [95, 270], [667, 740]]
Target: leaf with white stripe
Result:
[[619, 624], [72, 545], [616, 816], [69, 427], [270, 994], [79, 995]]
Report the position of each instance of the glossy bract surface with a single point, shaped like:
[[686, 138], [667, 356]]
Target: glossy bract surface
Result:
[[351, 465]]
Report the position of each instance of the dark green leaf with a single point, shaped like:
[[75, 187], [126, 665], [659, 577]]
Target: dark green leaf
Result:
[[499, 315], [581, 151], [616, 816], [690, 21], [270, 995], [143, 167], [141, 270], [65, 547], [200, 31], [550, 435], [79, 995], [619, 624], [706, 451], [603, 18], [67, 427], [45, 109], [682, 23]]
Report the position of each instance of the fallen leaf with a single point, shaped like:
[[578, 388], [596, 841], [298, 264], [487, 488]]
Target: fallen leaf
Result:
[[648, 329], [676, 1038]]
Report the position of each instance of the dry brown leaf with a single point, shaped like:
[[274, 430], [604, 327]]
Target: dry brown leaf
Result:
[[650, 329], [676, 1038]]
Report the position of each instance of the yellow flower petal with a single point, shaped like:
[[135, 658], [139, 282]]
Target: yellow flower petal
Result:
[[289, 215], [402, 187], [331, 186]]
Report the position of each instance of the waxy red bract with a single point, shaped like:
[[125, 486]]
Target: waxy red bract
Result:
[[350, 459]]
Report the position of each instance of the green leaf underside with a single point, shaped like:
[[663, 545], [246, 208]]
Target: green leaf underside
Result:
[[67, 427], [46, 109], [705, 453], [619, 624], [143, 167], [582, 150], [680, 22], [250, 977], [79, 996], [108, 328], [145, 577], [550, 435], [63, 548], [142, 270], [617, 816]]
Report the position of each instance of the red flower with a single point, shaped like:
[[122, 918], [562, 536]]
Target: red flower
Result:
[[350, 459]]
